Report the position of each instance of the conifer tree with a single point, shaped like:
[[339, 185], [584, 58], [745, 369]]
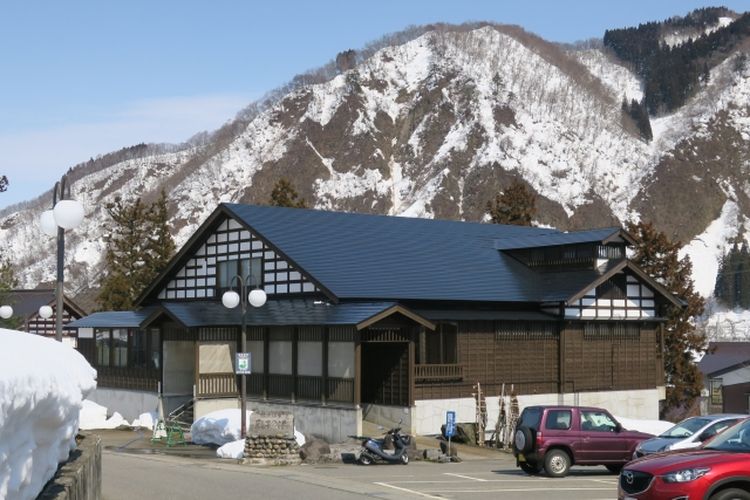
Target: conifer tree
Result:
[[658, 256], [3, 183], [515, 205], [138, 248], [284, 195]]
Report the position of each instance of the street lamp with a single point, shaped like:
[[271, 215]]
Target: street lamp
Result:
[[231, 299], [65, 214], [6, 312]]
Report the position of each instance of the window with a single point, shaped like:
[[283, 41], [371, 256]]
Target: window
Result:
[[597, 421], [439, 346], [716, 398], [228, 269], [122, 347], [558, 419], [102, 347]]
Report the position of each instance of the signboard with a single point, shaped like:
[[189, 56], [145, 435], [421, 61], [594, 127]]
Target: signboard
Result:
[[450, 423], [243, 363], [271, 423]]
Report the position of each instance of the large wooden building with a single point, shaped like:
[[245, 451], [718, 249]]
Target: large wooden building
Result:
[[26, 304], [386, 318]]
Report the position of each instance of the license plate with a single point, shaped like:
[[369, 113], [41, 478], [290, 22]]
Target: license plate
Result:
[[521, 458]]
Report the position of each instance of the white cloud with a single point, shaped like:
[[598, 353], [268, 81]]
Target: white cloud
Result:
[[34, 160]]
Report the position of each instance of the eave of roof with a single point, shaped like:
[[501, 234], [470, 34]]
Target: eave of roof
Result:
[[602, 235]]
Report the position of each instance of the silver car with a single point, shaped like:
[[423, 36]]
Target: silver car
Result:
[[690, 433]]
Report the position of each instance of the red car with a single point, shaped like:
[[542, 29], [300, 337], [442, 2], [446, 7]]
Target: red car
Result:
[[719, 470]]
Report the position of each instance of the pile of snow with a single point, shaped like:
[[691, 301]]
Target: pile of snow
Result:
[[654, 427], [42, 385], [94, 416], [222, 427], [146, 420]]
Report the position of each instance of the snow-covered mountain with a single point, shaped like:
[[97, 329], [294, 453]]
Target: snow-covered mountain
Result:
[[434, 125]]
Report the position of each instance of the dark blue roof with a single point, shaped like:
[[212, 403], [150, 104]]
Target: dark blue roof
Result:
[[274, 313], [554, 239], [113, 319], [358, 256]]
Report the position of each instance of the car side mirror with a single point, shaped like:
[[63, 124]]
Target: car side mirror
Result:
[[705, 437], [618, 427]]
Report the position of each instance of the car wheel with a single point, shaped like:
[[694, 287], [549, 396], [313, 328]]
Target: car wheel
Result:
[[364, 459], [731, 494], [531, 469], [523, 440], [557, 463], [614, 469], [404, 459]]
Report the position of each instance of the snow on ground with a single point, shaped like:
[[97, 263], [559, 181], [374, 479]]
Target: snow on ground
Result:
[[654, 427], [706, 249], [94, 416], [42, 386], [727, 325]]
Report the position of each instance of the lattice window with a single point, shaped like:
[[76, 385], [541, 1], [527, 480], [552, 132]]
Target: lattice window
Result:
[[525, 330], [611, 331]]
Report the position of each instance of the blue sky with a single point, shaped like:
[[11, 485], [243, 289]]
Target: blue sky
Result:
[[78, 79]]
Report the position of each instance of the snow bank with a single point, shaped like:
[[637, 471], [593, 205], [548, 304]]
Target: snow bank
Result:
[[94, 416], [218, 427], [654, 427], [233, 449], [42, 385], [146, 420]]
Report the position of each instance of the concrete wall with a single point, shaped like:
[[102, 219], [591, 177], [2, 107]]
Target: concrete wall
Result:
[[80, 478], [429, 414], [334, 424], [130, 404], [389, 416]]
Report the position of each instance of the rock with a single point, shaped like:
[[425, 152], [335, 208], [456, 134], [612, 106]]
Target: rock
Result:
[[432, 454], [315, 449]]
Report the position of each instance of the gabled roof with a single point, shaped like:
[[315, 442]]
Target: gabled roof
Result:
[[603, 235], [374, 257], [26, 303], [723, 357]]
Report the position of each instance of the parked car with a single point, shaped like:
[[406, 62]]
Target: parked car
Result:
[[554, 438], [690, 433], [719, 470]]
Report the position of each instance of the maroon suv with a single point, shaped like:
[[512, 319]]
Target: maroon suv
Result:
[[557, 437], [719, 470]]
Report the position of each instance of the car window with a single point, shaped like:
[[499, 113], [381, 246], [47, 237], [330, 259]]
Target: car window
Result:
[[597, 421], [558, 419], [736, 438], [716, 428], [686, 428], [531, 417]]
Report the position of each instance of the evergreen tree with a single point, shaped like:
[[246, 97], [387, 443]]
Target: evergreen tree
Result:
[[658, 256], [3, 183], [284, 195], [8, 281], [515, 205], [138, 248], [732, 287]]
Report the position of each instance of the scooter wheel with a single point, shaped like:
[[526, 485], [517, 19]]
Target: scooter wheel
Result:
[[404, 459], [364, 459]]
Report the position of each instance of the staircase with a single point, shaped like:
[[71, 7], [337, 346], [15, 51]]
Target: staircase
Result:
[[182, 416]]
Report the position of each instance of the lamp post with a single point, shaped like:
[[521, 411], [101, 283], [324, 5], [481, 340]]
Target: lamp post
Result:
[[231, 299], [65, 214]]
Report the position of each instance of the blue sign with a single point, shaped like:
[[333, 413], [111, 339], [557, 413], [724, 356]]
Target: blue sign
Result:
[[450, 423]]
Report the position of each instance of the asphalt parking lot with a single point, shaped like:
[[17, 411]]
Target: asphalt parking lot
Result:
[[132, 469]]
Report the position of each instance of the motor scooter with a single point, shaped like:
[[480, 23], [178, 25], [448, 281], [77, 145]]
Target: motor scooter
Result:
[[373, 450]]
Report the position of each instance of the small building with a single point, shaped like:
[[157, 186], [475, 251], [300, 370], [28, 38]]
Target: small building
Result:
[[726, 377], [387, 318], [26, 304]]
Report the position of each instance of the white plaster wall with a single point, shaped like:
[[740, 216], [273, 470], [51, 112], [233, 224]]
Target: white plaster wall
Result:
[[429, 414], [216, 357], [741, 376], [205, 406], [129, 404], [179, 367]]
